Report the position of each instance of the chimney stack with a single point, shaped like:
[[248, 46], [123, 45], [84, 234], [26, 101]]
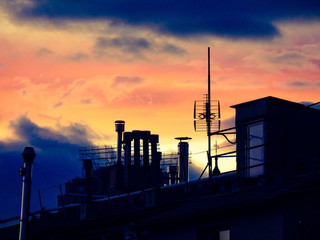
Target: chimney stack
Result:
[[119, 129], [183, 169], [28, 155], [136, 147]]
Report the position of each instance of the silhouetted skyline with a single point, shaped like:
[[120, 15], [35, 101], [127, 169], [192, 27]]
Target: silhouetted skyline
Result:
[[68, 71]]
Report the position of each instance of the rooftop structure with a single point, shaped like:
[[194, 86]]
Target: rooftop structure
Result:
[[273, 193]]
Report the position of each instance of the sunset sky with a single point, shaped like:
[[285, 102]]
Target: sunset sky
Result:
[[69, 69]]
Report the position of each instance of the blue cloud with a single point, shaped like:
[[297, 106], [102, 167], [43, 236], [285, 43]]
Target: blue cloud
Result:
[[246, 18], [134, 46], [56, 162]]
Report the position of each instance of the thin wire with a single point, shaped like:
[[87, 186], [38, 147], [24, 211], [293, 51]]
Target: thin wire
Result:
[[43, 175], [50, 187], [50, 171], [198, 153]]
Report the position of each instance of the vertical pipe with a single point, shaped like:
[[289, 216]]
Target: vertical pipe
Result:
[[145, 143], [39, 195], [208, 114], [172, 171], [119, 124], [129, 153], [154, 139], [156, 178], [88, 167], [183, 161], [62, 199], [136, 147], [127, 138], [28, 155], [126, 167], [119, 148]]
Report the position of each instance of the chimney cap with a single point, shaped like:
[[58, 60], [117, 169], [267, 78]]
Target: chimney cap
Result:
[[119, 122], [28, 154], [183, 138]]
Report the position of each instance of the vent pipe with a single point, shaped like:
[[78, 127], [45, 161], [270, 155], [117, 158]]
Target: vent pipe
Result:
[[156, 172], [183, 152], [127, 138], [136, 147], [145, 144], [173, 172], [87, 165], [119, 129], [28, 155], [154, 139]]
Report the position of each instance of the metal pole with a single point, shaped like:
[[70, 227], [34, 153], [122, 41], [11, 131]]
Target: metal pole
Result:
[[28, 155], [126, 166], [39, 194], [62, 199], [208, 111]]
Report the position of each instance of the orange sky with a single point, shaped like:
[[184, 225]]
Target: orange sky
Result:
[[70, 73]]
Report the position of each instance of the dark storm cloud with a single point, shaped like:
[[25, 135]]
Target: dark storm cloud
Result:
[[55, 163], [246, 18], [41, 137]]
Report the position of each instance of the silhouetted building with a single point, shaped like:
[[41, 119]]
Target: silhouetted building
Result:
[[273, 194]]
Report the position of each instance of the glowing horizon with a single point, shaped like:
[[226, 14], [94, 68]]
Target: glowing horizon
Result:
[[80, 76]]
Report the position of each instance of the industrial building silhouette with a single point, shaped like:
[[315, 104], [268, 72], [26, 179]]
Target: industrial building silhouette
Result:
[[273, 194]]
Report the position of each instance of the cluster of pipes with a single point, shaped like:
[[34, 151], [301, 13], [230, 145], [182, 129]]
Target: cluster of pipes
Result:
[[153, 139], [28, 155]]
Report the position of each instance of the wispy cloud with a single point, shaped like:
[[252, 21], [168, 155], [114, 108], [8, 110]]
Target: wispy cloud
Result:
[[316, 62], [79, 56], [127, 80], [130, 44], [58, 104], [172, 49], [86, 101], [42, 52], [296, 83]]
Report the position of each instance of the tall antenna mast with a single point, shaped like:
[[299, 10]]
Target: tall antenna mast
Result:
[[208, 117]]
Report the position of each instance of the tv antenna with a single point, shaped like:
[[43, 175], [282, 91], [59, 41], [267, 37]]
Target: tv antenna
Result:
[[207, 116]]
